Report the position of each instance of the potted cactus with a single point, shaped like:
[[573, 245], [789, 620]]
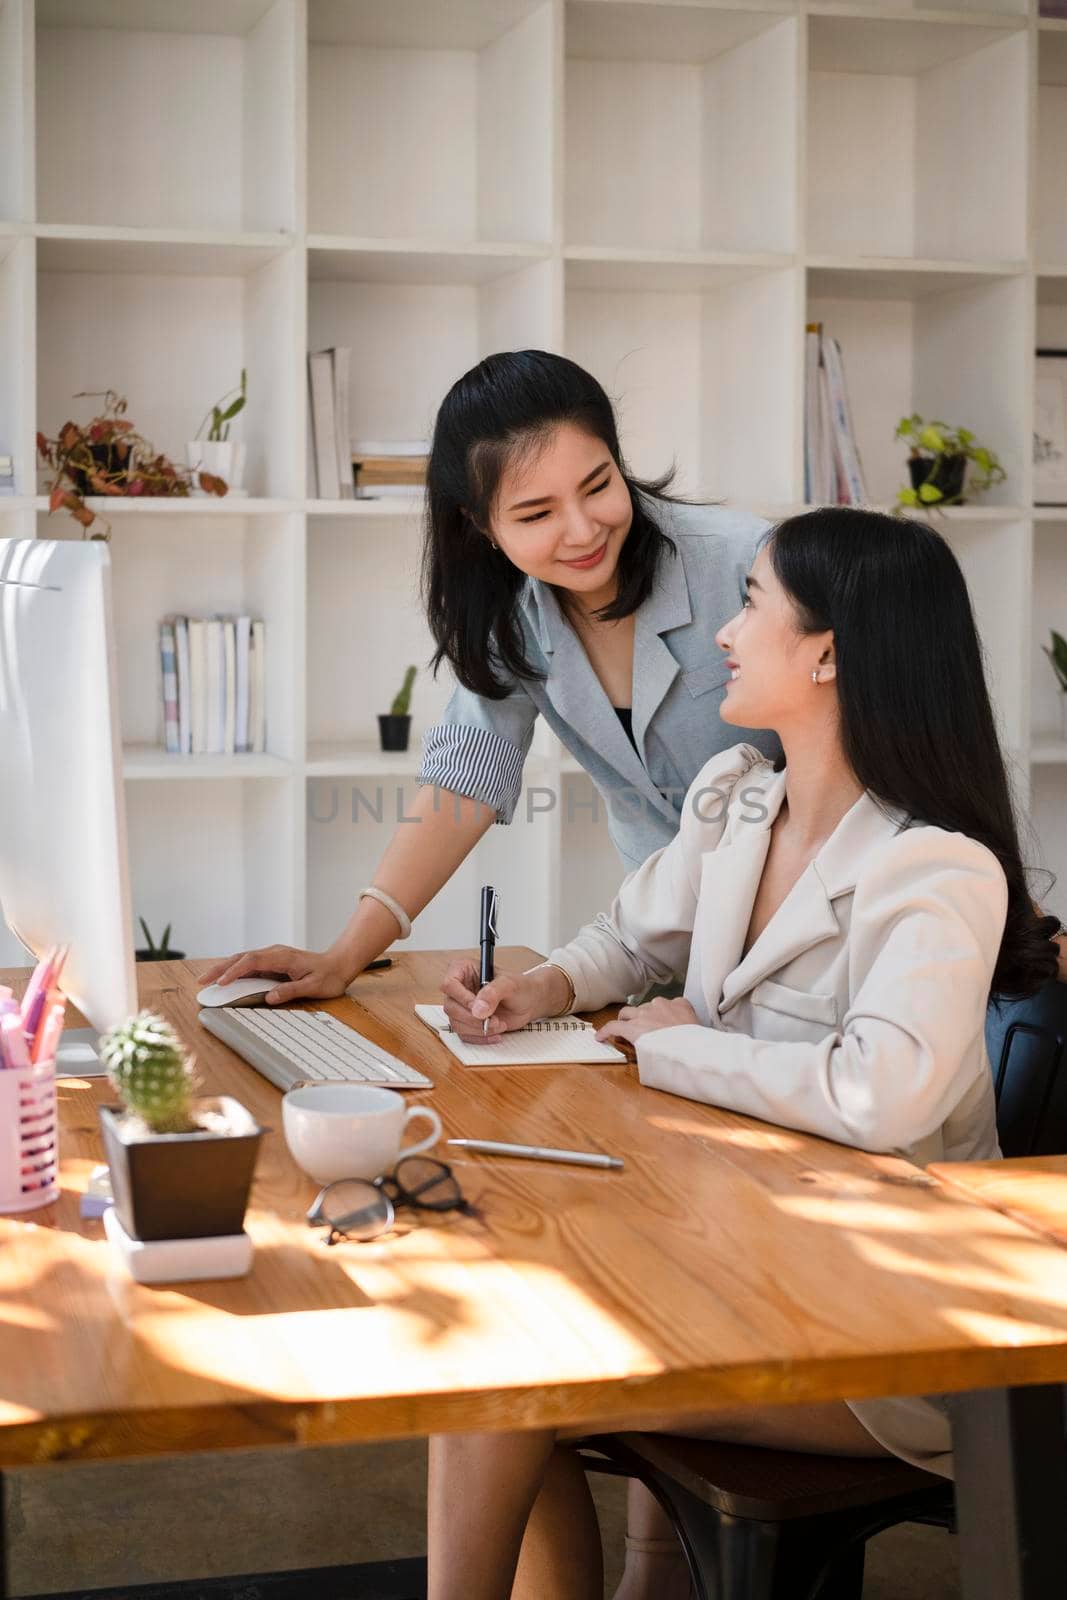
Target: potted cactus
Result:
[[181, 1167], [394, 726]]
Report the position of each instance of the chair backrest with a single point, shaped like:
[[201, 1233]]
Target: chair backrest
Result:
[[1027, 1044]]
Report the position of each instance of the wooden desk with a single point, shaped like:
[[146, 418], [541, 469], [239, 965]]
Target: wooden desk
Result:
[[1030, 1189], [729, 1261]]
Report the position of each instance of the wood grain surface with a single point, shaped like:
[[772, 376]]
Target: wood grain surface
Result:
[[1031, 1189], [729, 1261]]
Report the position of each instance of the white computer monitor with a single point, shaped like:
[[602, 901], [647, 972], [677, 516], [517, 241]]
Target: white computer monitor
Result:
[[63, 870]]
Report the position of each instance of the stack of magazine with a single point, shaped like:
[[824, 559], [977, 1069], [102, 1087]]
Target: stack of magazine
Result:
[[833, 472], [328, 393], [213, 685]]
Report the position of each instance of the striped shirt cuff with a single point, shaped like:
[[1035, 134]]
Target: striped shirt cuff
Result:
[[473, 762]]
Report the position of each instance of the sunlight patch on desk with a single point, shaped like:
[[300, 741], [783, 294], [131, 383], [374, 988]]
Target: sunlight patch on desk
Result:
[[487, 1317], [743, 1138]]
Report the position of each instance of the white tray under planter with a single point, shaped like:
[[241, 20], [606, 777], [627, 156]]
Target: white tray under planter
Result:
[[184, 1186]]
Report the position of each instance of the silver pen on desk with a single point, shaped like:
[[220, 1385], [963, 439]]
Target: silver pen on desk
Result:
[[537, 1152]]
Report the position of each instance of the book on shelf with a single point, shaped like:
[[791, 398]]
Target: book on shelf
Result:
[[328, 392], [389, 469], [213, 677], [833, 471], [168, 661]]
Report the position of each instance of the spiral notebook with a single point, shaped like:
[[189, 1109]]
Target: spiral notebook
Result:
[[555, 1040]]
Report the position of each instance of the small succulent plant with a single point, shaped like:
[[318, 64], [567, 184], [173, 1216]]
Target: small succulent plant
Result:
[[401, 705], [1058, 657], [161, 950], [219, 417], [148, 1066]]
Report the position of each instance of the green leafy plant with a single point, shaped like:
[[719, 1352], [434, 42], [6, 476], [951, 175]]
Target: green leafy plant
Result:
[[222, 415], [107, 456], [149, 1068], [401, 705], [940, 445], [1058, 657], [160, 951]]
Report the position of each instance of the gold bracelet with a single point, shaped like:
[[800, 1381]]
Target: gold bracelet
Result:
[[555, 967]]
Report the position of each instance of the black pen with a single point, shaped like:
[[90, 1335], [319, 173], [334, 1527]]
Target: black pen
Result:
[[487, 941]]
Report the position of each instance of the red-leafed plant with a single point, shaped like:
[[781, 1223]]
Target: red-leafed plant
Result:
[[107, 456]]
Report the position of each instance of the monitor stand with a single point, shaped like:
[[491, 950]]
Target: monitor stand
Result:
[[78, 1055]]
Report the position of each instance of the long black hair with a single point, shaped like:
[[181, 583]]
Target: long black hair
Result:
[[917, 724], [503, 408]]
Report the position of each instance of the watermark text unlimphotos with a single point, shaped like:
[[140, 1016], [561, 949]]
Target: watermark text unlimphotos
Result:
[[330, 801]]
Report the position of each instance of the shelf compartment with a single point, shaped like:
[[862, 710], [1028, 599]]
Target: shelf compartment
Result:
[[406, 507], [16, 360], [365, 627], [411, 342], [882, 278], [600, 267], [387, 81], [172, 345], [207, 95], [902, 117], [198, 566], [219, 861], [711, 100], [1049, 611], [181, 252], [1050, 242], [361, 260], [693, 369], [151, 763], [16, 132], [196, 505], [960, 355], [1048, 809]]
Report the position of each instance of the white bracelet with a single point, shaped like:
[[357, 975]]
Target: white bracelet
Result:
[[390, 905]]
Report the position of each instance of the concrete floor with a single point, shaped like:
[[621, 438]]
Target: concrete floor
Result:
[[103, 1524]]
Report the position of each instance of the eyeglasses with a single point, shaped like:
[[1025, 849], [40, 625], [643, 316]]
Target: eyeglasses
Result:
[[361, 1208]]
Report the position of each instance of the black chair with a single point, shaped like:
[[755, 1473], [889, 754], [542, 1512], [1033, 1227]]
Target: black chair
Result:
[[758, 1524]]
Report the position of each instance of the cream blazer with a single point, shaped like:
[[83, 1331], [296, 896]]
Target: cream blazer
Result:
[[859, 1012]]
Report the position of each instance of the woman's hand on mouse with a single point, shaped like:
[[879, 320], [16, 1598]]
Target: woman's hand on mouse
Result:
[[309, 974], [511, 1001], [633, 1022]]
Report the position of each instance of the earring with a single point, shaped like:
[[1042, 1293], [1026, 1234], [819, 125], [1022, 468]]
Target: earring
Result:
[[815, 675]]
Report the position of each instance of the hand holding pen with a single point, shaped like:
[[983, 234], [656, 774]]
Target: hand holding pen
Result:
[[487, 942]]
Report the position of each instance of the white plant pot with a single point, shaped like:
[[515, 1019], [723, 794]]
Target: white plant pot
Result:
[[224, 457]]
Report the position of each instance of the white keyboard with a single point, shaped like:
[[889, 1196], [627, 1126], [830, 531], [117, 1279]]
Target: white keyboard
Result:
[[290, 1047]]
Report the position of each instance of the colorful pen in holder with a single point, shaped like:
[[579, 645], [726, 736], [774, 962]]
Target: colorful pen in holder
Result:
[[29, 1127]]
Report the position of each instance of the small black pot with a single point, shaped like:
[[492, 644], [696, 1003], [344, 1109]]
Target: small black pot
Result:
[[182, 1185], [394, 732], [106, 456], [944, 472], [154, 955]]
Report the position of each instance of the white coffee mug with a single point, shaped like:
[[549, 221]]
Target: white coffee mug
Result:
[[350, 1130]]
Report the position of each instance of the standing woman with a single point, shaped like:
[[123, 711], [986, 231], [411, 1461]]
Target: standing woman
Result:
[[555, 583]]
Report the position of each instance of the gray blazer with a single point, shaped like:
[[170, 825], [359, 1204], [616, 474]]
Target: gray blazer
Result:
[[479, 746]]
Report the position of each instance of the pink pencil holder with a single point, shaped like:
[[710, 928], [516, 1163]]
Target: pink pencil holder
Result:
[[29, 1137]]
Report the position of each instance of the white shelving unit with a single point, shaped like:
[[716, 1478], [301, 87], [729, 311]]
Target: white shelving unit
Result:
[[666, 190]]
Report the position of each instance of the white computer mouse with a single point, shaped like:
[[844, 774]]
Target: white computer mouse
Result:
[[242, 992]]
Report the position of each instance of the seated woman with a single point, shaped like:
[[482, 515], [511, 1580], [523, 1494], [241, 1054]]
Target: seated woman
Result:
[[840, 925]]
